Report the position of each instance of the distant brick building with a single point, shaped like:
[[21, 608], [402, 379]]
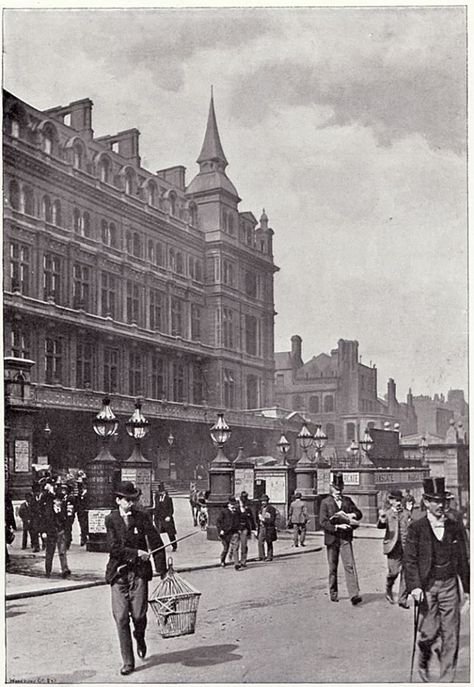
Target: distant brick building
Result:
[[339, 393], [435, 413], [125, 282]]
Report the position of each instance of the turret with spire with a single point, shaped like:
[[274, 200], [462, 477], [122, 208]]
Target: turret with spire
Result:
[[211, 189]]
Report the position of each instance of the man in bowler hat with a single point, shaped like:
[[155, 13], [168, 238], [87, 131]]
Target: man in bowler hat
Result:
[[435, 557], [339, 516], [395, 520], [130, 535]]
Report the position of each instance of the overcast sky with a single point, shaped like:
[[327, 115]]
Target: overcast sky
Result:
[[347, 125]]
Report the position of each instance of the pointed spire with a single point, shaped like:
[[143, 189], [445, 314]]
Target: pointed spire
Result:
[[212, 148]]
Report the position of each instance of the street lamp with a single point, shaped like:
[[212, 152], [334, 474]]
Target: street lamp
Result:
[[220, 433], [170, 439], [137, 427], [423, 446], [320, 442], [105, 425], [305, 440], [365, 444], [283, 447]]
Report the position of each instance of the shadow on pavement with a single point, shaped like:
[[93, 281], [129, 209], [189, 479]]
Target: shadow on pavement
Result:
[[199, 656], [11, 612]]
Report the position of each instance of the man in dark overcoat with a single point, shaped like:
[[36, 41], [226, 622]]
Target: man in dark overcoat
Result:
[[54, 526], [227, 525], [435, 558], [163, 513], [130, 535], [267, 528], [395, 520], [339, 516]]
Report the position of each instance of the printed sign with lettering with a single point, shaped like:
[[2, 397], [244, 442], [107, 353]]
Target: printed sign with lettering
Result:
[[323, 480], [96, 520], [276, 488], [22, 455], [243, 481], [351, 478], [143, 482]]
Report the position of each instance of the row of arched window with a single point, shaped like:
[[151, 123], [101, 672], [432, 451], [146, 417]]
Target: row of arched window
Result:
[[99, 164]]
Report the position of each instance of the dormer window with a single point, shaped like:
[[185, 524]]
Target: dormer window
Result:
[[77, 156], [128, 183], [151, 194], [104, 170], [15, 128]]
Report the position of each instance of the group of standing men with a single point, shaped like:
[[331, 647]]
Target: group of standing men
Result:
[[427, 547], [235, 525]]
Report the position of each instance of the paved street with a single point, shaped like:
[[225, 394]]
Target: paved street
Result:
[[270, 623]]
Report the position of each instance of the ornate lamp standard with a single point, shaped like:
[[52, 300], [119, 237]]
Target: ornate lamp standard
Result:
[[305, 468], [137, 468], [220, 474], [323, 467], [361, 457], [283, 446], [102, 475]]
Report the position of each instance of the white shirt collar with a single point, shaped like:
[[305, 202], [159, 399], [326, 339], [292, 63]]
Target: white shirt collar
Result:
[[437, 525]]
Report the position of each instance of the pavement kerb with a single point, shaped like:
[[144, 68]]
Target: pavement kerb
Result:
[[14, 596]]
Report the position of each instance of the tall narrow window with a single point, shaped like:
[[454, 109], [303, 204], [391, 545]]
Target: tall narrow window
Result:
[[135, 374], [86, 224], [157, 376], [151, 194], [81, 286], [52, 277], [77, 156], [28, 201], [104, 232], [156, 310], [159, 254], [128, 183], [176, 317], [57, 219], [198, 384], [48, 140], [19, 267], [251, 284], [108, 295], [228, 328], [172, 260], [195, 322], [228, 272], [47, 210], [229, 389], [328, 404], [111, 370], [53, 361], [113, 235], [15, 129], [252, 392], [104, 170], [151, 251], [133, 303], [14, 195], [76, 220], [172, 200], [20, 341], [251, 342], [84, 365], [137, 245], [178, 382], [179, 263]]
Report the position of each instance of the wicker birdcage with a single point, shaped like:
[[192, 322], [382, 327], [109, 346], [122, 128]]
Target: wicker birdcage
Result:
[[175, 603]]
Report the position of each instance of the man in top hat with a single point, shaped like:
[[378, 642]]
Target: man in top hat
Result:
[[339, 516], [395, 520], [164, 515], [130, 535], [435, 557]]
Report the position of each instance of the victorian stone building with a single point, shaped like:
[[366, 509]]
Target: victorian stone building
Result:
[[123, 282], [339, 393]]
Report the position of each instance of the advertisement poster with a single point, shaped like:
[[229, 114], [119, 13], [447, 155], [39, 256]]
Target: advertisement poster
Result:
[[243, 481], [22, 455], [97, 520]]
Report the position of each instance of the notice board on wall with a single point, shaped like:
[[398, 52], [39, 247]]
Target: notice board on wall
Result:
[[22, 455]]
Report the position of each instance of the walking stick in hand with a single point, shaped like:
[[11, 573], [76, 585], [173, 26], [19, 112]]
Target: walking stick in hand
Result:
[[416, 617]]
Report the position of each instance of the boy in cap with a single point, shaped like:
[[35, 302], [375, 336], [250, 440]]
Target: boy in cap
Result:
[[338, 517], [435, 557], [394, 520], [227, 525], [130, 535], [298, 517]]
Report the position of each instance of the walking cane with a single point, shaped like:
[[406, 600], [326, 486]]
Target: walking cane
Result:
[[416, 616], [122, 567]]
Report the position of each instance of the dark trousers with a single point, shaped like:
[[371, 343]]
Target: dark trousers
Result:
[[26, 531], [229, 541], [440, 617], [347, 556], [261, 540], [395, 568], [83, 525], [299, 533], [129, 598], [53, 540]]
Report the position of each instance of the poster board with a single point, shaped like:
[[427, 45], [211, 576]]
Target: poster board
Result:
[[22, 455], [323, 480], [275, 485], [96, 520], [243, 481]]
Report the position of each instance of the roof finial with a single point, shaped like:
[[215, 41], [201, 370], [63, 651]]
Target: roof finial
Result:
[[212, 91]]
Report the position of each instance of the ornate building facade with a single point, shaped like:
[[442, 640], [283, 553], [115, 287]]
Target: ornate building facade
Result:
[[339, 393], [129, 283]]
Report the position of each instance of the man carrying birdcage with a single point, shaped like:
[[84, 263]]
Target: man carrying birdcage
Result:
[[130, 535]]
